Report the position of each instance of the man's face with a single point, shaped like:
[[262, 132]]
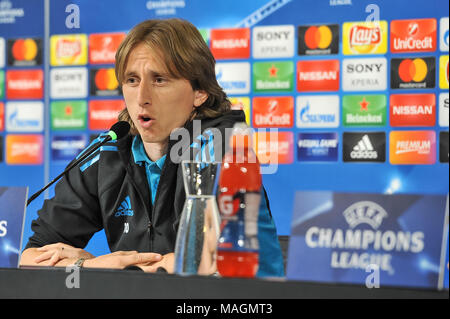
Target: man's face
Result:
[[157, 103]]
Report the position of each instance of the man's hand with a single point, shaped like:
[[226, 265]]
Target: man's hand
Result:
[[122, 259], [52, 254], [167, 262]]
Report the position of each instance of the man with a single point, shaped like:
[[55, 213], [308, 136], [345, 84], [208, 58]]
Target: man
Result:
[[133, 188]]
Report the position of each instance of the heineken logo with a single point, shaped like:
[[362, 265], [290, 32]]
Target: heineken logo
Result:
[[364, 110], [273, 76]]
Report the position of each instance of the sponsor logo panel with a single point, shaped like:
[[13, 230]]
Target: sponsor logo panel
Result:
[[364, 110], [103, 113], [2, 114], [413, 110], [234, 78], [68, 115], [273, 76], [413, 35], [68, 83], [103, 47], [2, 52], [273, 111], [318, 75], [317, 147], [24, 116], [317, 111], [443, 72], [412, 147], [243, 104], [274, 147], [443, 147], [443, 34], [66, 148], [230, 43], [273, 41], [413, 73], [24, 149], [103, 82], [364, 147], [1, 149], [25, 84], [318, 39], [364, 37], [364, 74], [443, 110], [68, 49], [24, 52], [2, 84]]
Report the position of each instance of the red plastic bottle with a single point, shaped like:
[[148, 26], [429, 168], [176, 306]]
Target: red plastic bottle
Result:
[[239, 199]]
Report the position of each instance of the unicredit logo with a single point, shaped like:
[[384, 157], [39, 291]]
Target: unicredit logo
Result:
[[273, 112], [413, 35]]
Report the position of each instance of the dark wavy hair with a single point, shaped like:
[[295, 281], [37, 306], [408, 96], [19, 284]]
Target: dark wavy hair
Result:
[[185, 55]]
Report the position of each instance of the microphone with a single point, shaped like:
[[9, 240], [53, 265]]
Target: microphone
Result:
[[116, 132]]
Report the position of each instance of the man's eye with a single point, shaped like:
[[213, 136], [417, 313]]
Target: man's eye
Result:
[[131, 80], [159, 80]]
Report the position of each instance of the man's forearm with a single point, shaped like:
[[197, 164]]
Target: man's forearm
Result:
[[29, 255]]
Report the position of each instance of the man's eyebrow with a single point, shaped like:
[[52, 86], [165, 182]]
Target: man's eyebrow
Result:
[[152, 73]]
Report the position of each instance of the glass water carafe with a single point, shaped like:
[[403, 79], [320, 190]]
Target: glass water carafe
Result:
[[198, 231]]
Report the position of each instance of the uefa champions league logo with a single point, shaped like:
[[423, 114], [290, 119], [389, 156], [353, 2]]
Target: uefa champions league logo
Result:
[[365, 212]]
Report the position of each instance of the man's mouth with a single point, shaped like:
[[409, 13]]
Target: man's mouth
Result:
[[145, 120]]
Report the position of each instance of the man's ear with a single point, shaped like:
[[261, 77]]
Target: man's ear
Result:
[[200, 97]]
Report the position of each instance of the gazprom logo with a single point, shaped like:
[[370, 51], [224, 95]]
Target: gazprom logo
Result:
[[365, 212]]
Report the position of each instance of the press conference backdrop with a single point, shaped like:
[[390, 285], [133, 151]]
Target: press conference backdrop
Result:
[[359, 106]]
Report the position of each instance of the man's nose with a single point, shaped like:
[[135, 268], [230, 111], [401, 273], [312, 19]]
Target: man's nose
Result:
[[143, 93]]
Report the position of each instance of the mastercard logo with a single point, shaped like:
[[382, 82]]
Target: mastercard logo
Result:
[[318, 37], [105, 79], [24, 50], [413, 70]]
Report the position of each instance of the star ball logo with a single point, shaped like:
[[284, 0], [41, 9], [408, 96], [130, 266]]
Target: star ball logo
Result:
[[24, 52], [413, 73], [318, 39], [365, 38]]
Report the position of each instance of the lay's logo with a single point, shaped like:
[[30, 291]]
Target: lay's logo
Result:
[[24, 52], [365, 37], [68, 49]]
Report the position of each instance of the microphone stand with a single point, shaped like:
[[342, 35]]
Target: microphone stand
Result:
[[75, 163]]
